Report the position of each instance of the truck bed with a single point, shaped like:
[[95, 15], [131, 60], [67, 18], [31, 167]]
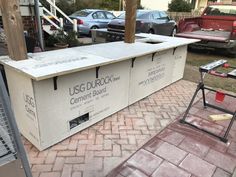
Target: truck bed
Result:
[[214, 35]]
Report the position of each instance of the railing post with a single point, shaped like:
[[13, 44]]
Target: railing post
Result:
[[61, 23], [75, 28]]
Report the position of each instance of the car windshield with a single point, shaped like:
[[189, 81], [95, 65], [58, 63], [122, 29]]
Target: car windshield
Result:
[[221, 10], [82, 13], [138, 15]]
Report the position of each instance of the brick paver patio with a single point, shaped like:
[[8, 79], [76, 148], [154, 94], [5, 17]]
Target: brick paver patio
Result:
[[95, 151], [181, 151]]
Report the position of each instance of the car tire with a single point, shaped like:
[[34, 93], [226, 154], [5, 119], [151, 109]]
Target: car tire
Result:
[[174, 31], [94, 27], [231, 52], [151, 31]]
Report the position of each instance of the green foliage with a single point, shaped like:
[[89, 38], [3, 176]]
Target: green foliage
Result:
[[109, 4], [67, 7], [45, 4], [179, 6], [70, 8], [62, 38], [87, 4], [71, 39], [51, 40]]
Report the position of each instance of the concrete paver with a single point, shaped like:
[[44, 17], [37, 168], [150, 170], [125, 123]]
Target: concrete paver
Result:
[[95, 151], [167, 169], [197, 166], [224, 161], [171, 153], [140, 160], [221, 173], [189, 152], [194, 146]]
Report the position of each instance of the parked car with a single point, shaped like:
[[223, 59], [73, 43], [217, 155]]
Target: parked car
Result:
[[216, 28], [147, 21], [90, 19]]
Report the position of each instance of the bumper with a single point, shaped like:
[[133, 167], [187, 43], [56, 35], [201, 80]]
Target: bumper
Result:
[[82, 29], [214, 45]]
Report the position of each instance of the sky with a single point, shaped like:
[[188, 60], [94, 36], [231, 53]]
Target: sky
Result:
[[155, 4]]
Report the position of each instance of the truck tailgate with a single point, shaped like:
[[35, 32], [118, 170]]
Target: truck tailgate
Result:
[[219, 36]]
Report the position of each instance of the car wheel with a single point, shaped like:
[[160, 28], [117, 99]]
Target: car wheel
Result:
[[151, 31], [93, 27], [174, 31], [231, 52]]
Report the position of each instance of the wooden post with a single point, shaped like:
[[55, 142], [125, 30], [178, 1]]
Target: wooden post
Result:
[[130, 20], [13, 29]]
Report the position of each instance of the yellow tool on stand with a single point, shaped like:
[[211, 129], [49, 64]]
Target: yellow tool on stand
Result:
[[219, 117]]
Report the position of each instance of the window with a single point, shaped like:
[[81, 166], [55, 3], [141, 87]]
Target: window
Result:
[[221, 10], [163, 14], [82, 13], [141, 14], [99, 15], [110, 15], [156, 15]]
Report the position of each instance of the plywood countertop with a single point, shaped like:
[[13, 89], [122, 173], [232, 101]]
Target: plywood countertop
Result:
[[46, 65]]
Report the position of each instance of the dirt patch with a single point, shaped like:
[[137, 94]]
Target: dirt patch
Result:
[[194, 60]]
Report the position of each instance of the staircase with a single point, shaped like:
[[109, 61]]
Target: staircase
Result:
[[51, 22]]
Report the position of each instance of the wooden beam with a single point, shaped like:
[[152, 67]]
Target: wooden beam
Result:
[[13, 28], [130, 20]]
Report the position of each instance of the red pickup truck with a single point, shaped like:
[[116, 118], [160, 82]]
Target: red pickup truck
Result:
[[216, 28]]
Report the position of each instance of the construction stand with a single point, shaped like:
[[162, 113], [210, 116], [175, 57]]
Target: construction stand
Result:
[[212, 69]]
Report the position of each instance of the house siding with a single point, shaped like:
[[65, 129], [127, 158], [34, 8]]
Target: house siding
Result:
[[155, 4]]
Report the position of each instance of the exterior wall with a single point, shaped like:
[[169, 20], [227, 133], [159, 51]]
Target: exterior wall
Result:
[[155, 4], [227, 1], [28, 19], [26, 2], [201, 4], [29, 25]]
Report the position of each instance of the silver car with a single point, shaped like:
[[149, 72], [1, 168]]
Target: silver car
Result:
[[88, 19], [148, 21]]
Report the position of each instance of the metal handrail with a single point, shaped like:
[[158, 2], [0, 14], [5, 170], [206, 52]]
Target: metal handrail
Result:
[[50, 21], [60, 11], [50, 13]]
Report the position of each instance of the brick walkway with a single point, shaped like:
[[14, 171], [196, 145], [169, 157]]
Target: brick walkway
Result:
[[97, 150], [180, 151]]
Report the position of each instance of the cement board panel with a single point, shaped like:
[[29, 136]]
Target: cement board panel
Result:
[[24, 105], [80, 94], [180, 55], [149, 76]]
